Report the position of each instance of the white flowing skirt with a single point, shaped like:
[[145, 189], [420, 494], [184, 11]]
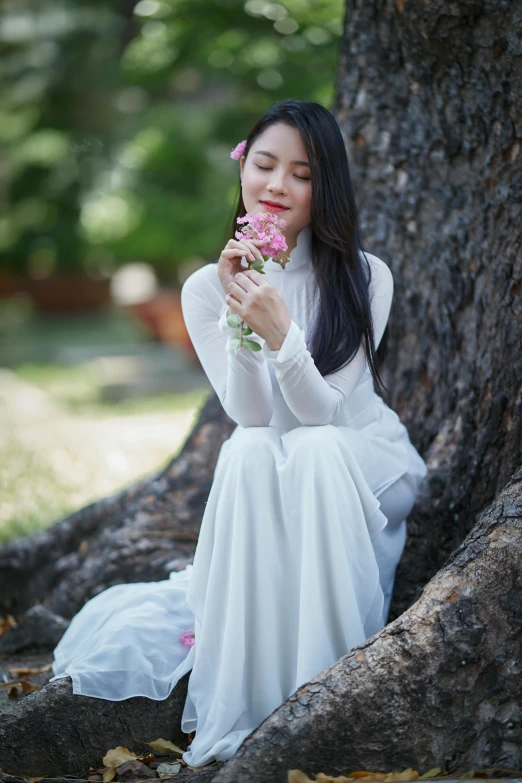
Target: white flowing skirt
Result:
[[293, 568]]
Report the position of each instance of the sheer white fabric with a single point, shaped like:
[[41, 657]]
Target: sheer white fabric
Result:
[[302, 531], [244, 385]]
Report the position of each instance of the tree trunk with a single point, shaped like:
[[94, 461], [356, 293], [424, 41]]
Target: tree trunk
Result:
[[439, 686], [428, 99]]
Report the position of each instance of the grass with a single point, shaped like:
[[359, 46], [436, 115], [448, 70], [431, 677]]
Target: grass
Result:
[[84, 450], [33, 497], [68, 445], [79, 389]]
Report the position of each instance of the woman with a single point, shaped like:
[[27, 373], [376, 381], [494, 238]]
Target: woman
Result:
[[306, 518]]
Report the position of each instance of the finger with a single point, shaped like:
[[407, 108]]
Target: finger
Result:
[[255, 249], [254, 244], [244, 280], [251, 251], [234, 252], [251, 244], [232, 303], [236, 290], [254, 275]]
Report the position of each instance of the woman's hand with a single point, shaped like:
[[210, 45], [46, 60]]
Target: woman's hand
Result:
[[261, 305], [229, 263]]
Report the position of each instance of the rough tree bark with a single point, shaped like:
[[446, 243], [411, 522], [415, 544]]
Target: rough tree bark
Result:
[[439, 686], [429, 101]]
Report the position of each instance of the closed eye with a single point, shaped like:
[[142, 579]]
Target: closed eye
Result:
[[295, 175]]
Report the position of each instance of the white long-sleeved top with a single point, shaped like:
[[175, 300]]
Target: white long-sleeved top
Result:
[[284, 387]]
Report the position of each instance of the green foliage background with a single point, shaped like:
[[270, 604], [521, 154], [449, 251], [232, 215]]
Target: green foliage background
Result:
[[117, 120]]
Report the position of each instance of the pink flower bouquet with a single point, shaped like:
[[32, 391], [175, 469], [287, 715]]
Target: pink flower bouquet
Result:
[[265, 226]]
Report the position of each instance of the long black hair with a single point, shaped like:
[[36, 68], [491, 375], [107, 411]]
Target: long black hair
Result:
[[343, 316]]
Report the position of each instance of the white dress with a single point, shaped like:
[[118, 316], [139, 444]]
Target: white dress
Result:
[[302, 531]]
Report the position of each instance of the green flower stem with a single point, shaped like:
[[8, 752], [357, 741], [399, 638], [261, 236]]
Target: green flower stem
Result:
[[235, 321]]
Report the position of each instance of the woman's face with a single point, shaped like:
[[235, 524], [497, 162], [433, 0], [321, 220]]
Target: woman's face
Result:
[[281, 176]]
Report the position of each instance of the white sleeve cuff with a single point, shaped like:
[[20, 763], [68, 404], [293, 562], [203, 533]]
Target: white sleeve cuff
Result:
[[222, 323], [292, 345]]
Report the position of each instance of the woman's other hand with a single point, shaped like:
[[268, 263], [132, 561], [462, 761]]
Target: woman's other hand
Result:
[[261, 305]]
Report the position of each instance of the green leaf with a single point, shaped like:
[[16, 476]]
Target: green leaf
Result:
[[251, 345], [234, 321], [257, 265], [247, 330], [430, 773]]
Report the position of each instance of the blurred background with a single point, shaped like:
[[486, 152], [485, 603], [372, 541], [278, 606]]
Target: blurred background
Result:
[[117, 120]]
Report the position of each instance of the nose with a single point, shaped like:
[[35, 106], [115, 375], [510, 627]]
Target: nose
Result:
[[277, 182]]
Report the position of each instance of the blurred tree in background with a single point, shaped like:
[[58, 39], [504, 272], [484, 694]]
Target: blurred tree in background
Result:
[[117, 120]]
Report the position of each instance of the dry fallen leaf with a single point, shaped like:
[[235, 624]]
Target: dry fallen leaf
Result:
[[165, 746], [362, 776], [9, 683], [147, 759], [103, 770], [20, 688], [116, 756], [407, 774], [23, 671], [7, 622]]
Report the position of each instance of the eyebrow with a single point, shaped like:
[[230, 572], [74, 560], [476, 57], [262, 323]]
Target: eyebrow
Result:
[[271, 155]]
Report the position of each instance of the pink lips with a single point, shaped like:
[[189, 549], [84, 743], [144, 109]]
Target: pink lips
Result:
[[277, 207]]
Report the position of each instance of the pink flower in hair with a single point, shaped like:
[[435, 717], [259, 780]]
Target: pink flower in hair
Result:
[[239, 150]]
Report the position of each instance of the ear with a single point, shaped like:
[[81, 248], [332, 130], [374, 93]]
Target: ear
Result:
[[241, 166]]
